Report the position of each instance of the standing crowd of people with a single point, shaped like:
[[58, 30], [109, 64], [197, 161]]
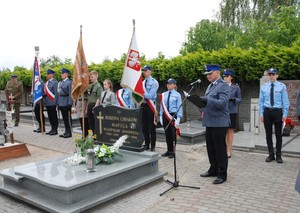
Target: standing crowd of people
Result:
[[220, 110]]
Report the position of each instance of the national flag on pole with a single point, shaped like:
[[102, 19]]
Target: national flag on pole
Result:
[[132, 74], [81, 73], [36, 82]]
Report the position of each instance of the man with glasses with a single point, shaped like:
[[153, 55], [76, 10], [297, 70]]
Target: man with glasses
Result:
[[273, 109], [216, 120]]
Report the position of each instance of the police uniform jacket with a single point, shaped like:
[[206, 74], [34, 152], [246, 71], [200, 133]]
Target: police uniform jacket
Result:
[[15, 89], [52, 86], [236, 94], [64, 91], [216, 113]]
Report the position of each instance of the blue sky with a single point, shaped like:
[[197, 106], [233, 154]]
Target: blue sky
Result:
[[54, 26]]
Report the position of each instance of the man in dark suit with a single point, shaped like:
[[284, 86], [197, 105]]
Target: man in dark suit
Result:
[[65, 101], [216, 120]]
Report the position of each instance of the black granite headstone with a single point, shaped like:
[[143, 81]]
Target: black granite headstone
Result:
[[112, 122]]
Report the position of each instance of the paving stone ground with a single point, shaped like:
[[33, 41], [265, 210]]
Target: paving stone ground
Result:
[[252, 186]]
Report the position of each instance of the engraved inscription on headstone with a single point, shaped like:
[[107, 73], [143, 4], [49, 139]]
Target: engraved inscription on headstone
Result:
[[112, 122]]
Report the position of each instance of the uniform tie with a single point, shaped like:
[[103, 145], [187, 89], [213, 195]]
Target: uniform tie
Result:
[[103, 97], [122, 93], [272, 94], [168, 101]]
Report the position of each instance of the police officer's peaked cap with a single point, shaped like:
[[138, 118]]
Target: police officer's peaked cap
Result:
[[146, 67], [50, 71], [228, 72], [64, 70], [273, 70], [171, 81], [13, 75], [211, 67]]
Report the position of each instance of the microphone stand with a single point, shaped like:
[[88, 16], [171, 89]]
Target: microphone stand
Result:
[[175, 183]]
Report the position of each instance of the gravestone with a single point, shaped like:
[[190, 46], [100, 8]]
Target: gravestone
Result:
[[112, 122]]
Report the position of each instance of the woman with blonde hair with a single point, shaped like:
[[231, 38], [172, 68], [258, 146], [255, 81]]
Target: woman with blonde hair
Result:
[[108, 97]]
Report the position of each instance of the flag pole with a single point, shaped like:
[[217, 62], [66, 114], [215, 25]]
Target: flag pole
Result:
[[82, 102], [40, 101]]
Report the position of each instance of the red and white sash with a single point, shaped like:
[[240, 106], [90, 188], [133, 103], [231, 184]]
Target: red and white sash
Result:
[[50, 95], [167, 114], [120, 98], [151, 105]]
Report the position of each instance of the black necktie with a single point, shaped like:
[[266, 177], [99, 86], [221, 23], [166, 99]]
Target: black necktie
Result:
[[103, 97], [168, 101], [122, 93], [272, 94], [146, 84]]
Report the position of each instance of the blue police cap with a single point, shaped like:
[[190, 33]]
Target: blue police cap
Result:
[[146, 67], [50, 71], [14, 75], [228, 72], [211, 67], [64, 70], [171, 81], [273, 70]]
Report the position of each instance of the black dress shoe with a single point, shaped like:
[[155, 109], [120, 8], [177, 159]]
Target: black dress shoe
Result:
[[166, 154], [16, 124], [279, 159], [208, 174], [218, 181], [67, 135], [146, 147], [152, 149], [48, 133], [270, 158], [54, 132], [172, 155]]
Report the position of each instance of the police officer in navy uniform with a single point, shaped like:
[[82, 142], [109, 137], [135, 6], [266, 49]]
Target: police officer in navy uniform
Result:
[[65, 101], [234, 99], [50, 101], [273, 109], [216, 120], [148, 117]]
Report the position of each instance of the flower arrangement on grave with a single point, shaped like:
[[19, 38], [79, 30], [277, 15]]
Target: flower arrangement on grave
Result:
[[103, 153], [289, 123]]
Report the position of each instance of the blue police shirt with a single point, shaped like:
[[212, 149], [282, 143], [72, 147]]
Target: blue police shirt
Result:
[[151, 88], [127, 97], [174, 102], [280, 98]]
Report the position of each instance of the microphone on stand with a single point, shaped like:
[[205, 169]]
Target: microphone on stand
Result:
[[195, 82]]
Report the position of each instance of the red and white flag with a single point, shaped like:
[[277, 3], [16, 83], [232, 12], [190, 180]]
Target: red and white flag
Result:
[[132, 74]]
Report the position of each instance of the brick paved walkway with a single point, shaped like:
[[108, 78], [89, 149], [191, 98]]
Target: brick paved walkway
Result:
[[252, 186]]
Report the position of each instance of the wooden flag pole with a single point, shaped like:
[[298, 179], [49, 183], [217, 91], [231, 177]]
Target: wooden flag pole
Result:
[[82, 115]]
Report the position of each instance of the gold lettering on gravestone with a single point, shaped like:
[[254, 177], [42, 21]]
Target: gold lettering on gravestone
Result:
[[100, 122]]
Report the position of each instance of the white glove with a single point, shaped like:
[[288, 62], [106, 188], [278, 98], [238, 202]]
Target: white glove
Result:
[[161, 120], [177, 122]]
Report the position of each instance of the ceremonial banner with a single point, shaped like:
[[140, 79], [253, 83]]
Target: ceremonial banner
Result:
[[132, 74], [36, 83], [81, 73]]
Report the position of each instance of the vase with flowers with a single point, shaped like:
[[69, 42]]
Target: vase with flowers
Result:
[[103, 153], [289, 125]]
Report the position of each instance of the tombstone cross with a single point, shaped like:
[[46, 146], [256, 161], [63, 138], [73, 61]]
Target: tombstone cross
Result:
[[100, 117]]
